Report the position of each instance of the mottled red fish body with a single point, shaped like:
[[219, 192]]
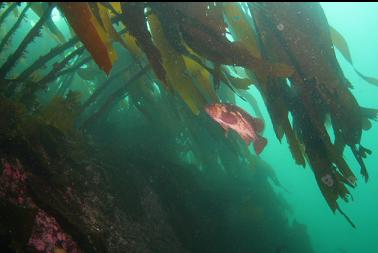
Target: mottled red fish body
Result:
[[231, 116]]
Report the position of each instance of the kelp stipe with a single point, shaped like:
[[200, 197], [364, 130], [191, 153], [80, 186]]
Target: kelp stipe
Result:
[[34, 32], [41, 61], [6, 39]]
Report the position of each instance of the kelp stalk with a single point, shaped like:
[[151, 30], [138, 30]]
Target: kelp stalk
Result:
[[69, 70], [112, 98], [60, 65], [66, 82], [45, 58], [103, 85], [7, 12], [16, 25], [12, 59]]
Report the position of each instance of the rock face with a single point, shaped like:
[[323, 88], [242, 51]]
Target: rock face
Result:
[[72, 206], [53, 196], [129, 193]]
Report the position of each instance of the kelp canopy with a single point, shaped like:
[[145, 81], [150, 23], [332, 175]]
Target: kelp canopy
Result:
[[198, 53]]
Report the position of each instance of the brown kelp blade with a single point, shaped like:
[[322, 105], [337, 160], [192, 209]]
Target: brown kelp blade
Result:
[[91, 33], [240, 27], [220, 50], [205, 34], [134, 20], [341, 44], [175, 66], [298, 34]]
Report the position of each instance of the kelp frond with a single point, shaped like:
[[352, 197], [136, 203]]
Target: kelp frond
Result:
[[60, 65], [41, 61], [11, 32], [12, 59], [103, 85], [5, 14], [114, 96]]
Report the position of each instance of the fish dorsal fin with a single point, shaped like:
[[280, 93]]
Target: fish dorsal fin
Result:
[[257, 123]]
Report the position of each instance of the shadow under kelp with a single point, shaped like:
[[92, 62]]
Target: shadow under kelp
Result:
[[213, 206]]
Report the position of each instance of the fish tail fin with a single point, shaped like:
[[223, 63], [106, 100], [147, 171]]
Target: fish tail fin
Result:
[[260, 144]]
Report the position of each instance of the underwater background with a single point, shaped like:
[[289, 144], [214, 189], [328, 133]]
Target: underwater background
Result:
[[139, 148]]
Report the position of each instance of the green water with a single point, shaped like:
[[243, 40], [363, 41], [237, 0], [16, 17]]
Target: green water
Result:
[[329, 233]]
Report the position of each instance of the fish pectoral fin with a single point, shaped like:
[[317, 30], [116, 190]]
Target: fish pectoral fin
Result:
[[247, 140], [260, 144]]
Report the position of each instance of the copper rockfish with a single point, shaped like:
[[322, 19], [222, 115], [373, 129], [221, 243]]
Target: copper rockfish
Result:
[[232, 116]]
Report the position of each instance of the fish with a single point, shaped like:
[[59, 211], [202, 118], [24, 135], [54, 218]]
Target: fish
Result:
[[230, 116]]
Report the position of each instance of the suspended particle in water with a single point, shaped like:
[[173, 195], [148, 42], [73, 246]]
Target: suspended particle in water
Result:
[[327, 180], [280, 27]]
